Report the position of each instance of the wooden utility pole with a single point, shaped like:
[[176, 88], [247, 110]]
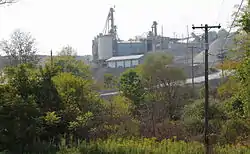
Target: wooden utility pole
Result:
[[192, 50], [206, 133], [222, 62], [187, 44], [51, 58]]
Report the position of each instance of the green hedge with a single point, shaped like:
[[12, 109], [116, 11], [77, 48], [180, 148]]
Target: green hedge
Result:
[[149, 146]]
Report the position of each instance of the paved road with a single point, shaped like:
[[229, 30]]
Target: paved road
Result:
[[200, 79]]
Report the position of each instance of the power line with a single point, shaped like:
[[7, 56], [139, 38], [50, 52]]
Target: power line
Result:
[[227, 37], [236, 15], [220, 10]]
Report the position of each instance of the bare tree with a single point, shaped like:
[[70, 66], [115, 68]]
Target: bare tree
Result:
[[67, 51], [20, 48], [2, 2]]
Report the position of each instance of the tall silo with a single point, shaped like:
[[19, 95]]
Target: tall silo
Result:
[[105, 47], [95, 49]]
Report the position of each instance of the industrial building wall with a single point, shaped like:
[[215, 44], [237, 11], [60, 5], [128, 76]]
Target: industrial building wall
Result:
[[125, 49]]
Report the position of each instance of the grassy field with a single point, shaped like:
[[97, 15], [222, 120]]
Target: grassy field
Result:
[[149, 146]]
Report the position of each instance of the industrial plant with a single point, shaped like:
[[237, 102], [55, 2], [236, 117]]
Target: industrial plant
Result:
[[113, 55], [109, 51]]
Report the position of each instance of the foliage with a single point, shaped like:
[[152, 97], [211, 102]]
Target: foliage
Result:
[[47, 104], [109, 81], [162, 81], [235, 130], [243, 70], [70, 65], [118, 119], [20, 48], [51, 118], [228, 65], [67, 51], [56, 106], [227, 89], [131, 86], [193, 117], [139, 146]]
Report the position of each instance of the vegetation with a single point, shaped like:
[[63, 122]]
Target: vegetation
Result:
[[110, 81], [145, 146], [20, 48], [55, 109]]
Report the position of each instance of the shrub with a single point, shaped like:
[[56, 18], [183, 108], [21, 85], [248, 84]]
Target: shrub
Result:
[[193, 117], [150, 146]]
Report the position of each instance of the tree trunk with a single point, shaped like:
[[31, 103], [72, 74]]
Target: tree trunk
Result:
[[153, 119], [67, 139]]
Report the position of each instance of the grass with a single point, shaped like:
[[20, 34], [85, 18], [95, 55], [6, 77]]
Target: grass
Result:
[[149, 146]]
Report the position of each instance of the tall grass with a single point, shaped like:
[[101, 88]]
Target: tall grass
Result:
[[149, 146]]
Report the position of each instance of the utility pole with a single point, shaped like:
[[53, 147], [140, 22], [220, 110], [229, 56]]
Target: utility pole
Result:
[[206, 135], [162, 37], [192, 50], [187, 43], [222, 62], [51, 58]]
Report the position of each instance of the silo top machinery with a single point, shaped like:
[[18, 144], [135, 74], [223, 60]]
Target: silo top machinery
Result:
[[105, 44]]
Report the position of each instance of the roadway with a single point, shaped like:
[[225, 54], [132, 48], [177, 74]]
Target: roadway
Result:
[[197, 80]]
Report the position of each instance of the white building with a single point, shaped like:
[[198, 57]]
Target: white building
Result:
[[125, 61]]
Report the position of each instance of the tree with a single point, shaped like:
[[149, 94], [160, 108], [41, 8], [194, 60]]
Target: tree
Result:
[[118, 119], [193, 115], [40, 106], [80, 105], [162, 80], [67, 62], [67, 51], [154, 87], [131, 86], [20, 48], [109, 80], [2, 2], [243, 69]]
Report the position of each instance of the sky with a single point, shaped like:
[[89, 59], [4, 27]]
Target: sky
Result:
[[57, 23]]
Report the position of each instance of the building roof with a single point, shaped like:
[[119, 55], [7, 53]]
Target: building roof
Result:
[[130, 57]]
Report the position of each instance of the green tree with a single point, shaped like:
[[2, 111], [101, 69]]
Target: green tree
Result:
[[162, 80], [118, 119], [243, 70], [109, 80], [159, 83], [80, 105], [49, 105], [70, 65], [131, 86], [19, 113], [193, 115]]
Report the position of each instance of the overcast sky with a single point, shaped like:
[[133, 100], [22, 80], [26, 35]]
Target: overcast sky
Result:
[[55, 23]]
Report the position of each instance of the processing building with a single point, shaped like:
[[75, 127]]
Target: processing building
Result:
[[110, 51], [124, 61]]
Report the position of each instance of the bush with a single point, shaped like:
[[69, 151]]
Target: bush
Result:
[[235, 131], [146, 146], [193, 117]]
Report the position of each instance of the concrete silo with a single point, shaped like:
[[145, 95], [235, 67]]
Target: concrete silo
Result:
[[105, 47]]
